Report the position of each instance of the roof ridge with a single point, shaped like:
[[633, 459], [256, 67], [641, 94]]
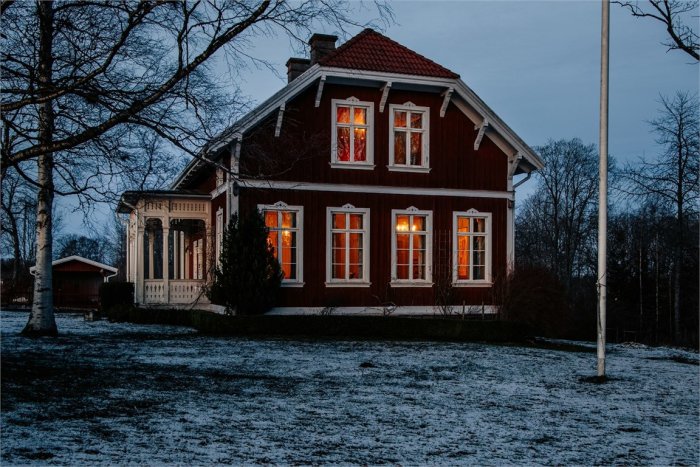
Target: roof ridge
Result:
[[338, 53]]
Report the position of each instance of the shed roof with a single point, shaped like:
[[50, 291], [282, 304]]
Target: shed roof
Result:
[[80, 259]]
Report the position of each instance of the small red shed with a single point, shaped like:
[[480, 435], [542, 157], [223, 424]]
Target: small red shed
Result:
[[76, 281]]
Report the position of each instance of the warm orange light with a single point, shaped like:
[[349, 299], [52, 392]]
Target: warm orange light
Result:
[[402, 226]]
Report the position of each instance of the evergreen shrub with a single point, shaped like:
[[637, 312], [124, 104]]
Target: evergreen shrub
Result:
[[248, 276], [116, 294]]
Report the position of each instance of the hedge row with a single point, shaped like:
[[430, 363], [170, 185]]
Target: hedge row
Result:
[[362, 327]]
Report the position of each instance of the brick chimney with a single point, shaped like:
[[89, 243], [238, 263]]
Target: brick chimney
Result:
[[295, 67], [321, 45]]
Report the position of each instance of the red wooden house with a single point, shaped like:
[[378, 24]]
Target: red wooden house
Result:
[[383, 179]]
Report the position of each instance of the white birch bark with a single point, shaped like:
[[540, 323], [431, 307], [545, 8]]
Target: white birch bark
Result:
[[41, 318]]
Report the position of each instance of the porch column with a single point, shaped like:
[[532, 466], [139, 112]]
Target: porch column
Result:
[[176, 254], [181, 256], [151, 238], [127, 248], [166, 275], [138, 280]]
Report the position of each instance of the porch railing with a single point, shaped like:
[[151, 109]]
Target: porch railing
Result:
[[180, 291]]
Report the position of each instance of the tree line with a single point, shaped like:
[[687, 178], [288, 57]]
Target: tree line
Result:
[[653, 232]]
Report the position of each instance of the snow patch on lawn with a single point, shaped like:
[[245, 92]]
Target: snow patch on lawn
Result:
[[105, 393]]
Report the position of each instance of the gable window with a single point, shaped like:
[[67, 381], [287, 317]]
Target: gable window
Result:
[[348, 246], [411, 247], [286, 237], [352, 139], [409, 138], [472, 247]]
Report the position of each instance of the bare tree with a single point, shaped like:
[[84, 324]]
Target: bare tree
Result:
[[556, 224], [80, 245], [97, 94], [673, 14], [671, 181]]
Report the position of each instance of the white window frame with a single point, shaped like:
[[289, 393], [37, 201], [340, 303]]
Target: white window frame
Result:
[[352, 102], [347, 209], [219, 235], [428, 281], [472, 214], [409, 107], [279, 207]]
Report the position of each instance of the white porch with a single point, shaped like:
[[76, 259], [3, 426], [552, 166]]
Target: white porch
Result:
[[169, 246]]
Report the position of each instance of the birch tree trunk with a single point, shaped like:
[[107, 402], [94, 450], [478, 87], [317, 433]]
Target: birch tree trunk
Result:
[[41, 319]]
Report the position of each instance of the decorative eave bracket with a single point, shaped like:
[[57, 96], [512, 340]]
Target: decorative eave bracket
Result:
[[513, 164], [280, 116], [385, 94], [447, 95], [480, 135], [319, 91]]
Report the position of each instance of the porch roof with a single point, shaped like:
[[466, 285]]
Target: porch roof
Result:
[[130, 198]]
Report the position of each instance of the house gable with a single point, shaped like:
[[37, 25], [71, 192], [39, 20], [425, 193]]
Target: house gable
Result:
[[386, 67]]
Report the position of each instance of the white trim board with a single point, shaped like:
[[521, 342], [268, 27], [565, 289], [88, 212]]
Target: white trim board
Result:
[[390, 190]]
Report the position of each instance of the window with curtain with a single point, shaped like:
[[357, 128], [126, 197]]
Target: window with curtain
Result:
[[352, 139], [285, 236], [411, 246], [348, 240], [471, 245]]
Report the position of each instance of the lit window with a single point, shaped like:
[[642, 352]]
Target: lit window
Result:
[[409, 140], [472, 247], [411, 247], [348, 246], [352, 141], [285, 236]]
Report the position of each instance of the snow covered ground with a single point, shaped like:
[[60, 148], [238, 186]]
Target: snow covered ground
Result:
[[120, 393]]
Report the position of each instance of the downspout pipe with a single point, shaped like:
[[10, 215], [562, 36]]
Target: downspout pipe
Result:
[[527, 177]]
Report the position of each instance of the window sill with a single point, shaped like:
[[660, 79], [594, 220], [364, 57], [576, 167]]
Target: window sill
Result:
[[410, 284], [408, 168], [472, 284], [348, 284], [292, 284], [351, 165]]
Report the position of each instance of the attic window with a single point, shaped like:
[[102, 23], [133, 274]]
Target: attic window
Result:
[[352, 139]]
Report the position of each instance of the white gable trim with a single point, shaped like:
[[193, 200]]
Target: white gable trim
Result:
[[480, 110]]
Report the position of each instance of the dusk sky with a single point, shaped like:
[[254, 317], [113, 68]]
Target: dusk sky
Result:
[[536, 64]]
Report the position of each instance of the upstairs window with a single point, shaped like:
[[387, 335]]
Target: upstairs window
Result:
[[472, 247], [285, 236], [409, 138], [352, 141]]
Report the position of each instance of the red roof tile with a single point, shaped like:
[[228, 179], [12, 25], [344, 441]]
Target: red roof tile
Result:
[[372, 51]]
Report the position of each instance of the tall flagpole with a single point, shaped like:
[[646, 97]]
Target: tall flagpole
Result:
[[603, 186]]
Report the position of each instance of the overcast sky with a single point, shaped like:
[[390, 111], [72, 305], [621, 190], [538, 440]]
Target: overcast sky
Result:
[[536, 64]]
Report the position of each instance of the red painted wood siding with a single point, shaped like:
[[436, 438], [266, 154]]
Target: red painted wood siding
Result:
[[305, 141], [315, 293]]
